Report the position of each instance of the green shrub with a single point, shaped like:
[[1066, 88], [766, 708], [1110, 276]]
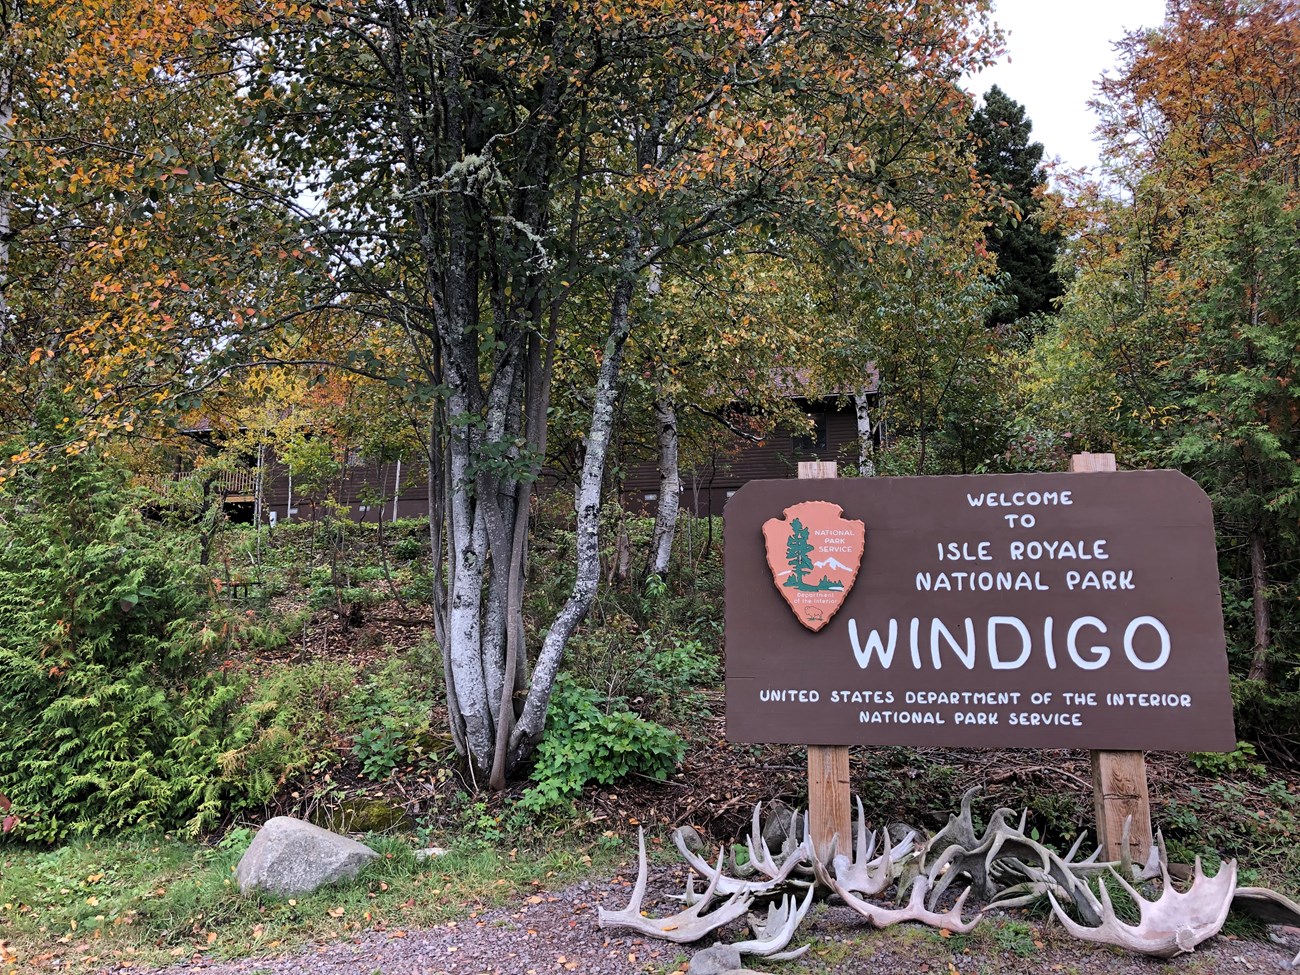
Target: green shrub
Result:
[[583, 744], [1242, 759], [110, 718], [120, 707], [409, 548], [283, 730], [393, 711], [684, 664]]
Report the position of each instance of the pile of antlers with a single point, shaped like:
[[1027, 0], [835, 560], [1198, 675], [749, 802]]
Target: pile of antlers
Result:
[[1003, 865]]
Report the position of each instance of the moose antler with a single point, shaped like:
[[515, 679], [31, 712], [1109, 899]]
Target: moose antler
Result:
[[862, 874], [1171, 925], [1156, 856], [960, 829], [774, 933], [976, 861], [730, 885], [760, 853], [683, 927], [1268, 906], [883, 917], [1064, 876]]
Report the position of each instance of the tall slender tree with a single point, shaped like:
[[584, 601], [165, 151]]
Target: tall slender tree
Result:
[[1026, 252], [1179, 336]]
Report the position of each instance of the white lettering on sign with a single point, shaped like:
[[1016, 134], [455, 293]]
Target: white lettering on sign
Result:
[[1034, 719], [980, 581], [1161, 632], [1026, 643], [862, 697], [1047, 549], [1100, 654], [1107, 579], [873, 645], [1009, 643], [964, 552], [1018, 499], [900, 717], [1121, 699], [789, 694]]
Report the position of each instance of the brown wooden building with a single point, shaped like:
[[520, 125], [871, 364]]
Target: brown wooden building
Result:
[[734, 460], [398, 488]]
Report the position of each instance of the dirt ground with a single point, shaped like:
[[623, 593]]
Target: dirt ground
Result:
[[557, 931]]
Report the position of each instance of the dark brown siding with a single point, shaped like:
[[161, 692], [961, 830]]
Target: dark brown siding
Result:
[[367, 488], [735, 461]]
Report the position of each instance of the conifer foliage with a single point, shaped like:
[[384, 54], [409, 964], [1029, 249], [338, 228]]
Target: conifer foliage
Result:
[[109, 712], [1026, 253]]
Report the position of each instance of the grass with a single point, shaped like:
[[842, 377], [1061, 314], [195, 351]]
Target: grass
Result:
[[154, 901]]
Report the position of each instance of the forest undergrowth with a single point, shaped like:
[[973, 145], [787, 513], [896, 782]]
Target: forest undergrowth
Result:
[[324, 701]]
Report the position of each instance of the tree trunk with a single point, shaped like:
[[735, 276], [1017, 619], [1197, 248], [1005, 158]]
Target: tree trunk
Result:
[[670, 485], [1259, 664], [866, 446], [8, 68], [467, 541], [528, 730]]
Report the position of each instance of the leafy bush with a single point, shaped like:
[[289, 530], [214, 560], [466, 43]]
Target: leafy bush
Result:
[[1242, 759], [109, 716], [409, 548], [684, 664], [120, 707], [583, 744], [284, 730], [393, 711]]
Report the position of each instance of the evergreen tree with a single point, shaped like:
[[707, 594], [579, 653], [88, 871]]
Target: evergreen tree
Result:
[[797, 550], [1026, 254]]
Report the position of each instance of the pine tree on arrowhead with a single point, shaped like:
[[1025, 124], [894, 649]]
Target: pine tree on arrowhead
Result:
[[797, 551]]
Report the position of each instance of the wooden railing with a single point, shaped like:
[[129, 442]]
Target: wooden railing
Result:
[[223, 482]]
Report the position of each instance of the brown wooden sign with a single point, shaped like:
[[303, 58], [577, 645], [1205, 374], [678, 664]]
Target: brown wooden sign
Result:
[[1035, 610]]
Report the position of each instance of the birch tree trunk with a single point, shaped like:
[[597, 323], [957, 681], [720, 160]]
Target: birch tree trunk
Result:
[[528, 730], [7, 70], [670, 485], [866, 447]]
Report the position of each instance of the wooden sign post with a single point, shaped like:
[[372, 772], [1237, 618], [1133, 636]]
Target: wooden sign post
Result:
[[829, 813], [1119, 779]]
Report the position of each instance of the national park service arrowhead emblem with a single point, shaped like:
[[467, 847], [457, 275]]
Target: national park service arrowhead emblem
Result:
[[814, 555]]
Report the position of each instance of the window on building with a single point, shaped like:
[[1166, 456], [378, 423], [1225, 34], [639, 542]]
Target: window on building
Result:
[[815, 440]]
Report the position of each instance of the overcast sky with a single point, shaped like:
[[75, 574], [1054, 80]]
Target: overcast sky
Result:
[[1056, 50]]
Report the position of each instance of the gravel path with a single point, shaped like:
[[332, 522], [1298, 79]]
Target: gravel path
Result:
[[556, 932]]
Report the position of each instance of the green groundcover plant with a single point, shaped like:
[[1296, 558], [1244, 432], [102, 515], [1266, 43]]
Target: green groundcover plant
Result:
[[115, 712]]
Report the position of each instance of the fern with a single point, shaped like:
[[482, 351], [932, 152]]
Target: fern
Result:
[[111, 717]]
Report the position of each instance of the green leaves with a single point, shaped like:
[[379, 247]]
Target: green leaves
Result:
[[109, 719], [584, 744]]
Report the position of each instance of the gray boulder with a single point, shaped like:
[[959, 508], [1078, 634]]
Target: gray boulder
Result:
[[289, 856], [715, 960]]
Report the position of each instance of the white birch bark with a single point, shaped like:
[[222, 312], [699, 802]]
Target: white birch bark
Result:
[[495, 502], [463, 647], [528, 730], [866, 449], [670, 485], [7, 70]]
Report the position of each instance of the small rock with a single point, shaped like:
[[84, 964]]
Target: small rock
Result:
[[289, 856], [432, 851], [715, 960]]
